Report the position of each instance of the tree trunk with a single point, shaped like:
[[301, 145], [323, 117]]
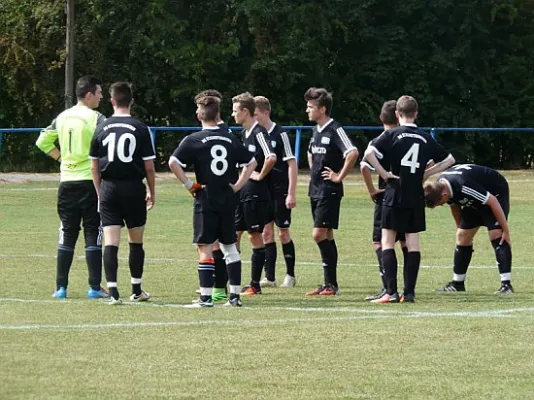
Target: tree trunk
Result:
[[69, 62]]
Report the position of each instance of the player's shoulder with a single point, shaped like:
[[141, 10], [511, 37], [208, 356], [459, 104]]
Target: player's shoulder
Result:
[[277, 130], [258, 129]]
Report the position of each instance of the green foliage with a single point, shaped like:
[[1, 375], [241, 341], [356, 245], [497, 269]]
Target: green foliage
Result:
[[469, 64]]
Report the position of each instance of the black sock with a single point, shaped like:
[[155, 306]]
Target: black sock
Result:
[[380, 266], [234, 273], [221, 276], [93, 257], [65, 255], [137, 262], [206, 269], [270, 261], [332, 268], [256, 268], [461, 259], [404, 262], [111, 265], [389, 260], [503, 254], [289, 257], [413, 261], [324, 249]]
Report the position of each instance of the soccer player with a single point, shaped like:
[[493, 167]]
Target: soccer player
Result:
[[214, 155], [478, 196], [77, 199], [389, 121], [254, 210], [331, 156], [122, 156], [408, 150], [282, 187]]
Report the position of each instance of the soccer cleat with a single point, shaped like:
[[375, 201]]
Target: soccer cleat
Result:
[[377, 295], [267, 283], [198, 303], [250, 291], [505, 289], [219, 295], [289, 281], [144, 296], [330, 290], [61, 293], [97, 294], [316, 292], [407, 298], [387, 298], [114, 302], [452, 286], [235, 302]]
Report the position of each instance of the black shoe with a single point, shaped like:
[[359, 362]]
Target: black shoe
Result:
[[377, 295], [233, 302], [505, 289], [452, 286], [407, 298]]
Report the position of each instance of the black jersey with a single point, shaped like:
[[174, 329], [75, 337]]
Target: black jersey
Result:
[[279, 178], [471, 185], [328, 147], [214, 156], [408, 150], [255, 140], [384, 162], [122, 145]]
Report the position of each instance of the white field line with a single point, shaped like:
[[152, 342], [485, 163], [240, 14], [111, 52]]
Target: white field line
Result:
[[193, 262]]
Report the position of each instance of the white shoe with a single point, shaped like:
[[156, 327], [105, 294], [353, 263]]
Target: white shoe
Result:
[[114, 302], [267, 283], [200, 304], [144, 296], [289, 281]]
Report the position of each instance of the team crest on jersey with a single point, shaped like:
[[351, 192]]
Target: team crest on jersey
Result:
[[251, 148], [273, 143], [325, 140]]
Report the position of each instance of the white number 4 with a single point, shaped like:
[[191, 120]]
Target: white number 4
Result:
[[410, 158]]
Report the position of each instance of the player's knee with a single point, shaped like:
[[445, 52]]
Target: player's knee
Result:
[[231, 255], [268, 234], [284, 236], [68, 236], [318, 235], [464, 238], [256, 240], [495, 234]]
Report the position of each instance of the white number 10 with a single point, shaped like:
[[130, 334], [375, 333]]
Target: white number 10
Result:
[[121, 146], [410, 158]]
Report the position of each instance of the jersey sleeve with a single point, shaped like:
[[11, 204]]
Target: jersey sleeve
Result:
[[438, 152], [100, 121], [382, 144], [183, 155], [365, 162], [243, 156], [475, 192], [343, 142], [265, 145], [47, 138], [94, 151], [147, 147], [287, 152]]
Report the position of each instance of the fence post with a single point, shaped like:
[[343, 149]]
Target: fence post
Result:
[[297, 145], [433, 133], [153, 137], [1, 140]]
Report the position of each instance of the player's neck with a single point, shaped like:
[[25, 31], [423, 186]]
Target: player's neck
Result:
[[82, 103], [388, 127], [121, 112], [323, 120], [249, 123], [208, 124], [268, 125], [406, 121]]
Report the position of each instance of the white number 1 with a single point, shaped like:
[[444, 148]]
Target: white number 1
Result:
[[410, 158]]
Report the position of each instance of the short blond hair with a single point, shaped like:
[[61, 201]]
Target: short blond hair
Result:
[[262, 103]]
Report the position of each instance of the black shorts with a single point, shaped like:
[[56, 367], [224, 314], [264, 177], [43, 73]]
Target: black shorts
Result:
[[252, 216], [406, 220], [281, 214], [123, 202], [325, 212], [473, 218], [377, 225], [213, 222], [77, 201]]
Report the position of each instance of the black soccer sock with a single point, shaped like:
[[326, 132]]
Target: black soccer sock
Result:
[[324, 249], [65, 255], [234, 273], [206, 270], [404, 262], [221, 277], [270, 261], [461, 259], [137, 262], [256, 268], [503, 254], [93, 257], [289, 257], [111, 265], [380, 266], [389, 260], [332, 268], [413, 261]]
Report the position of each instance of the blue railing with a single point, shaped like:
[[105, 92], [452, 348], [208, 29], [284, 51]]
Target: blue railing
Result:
[[298, 131]]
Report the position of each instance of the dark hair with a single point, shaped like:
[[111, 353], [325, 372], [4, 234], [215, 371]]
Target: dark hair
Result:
[[321, 97], [246, 101], [209, 108], [86, 84], [387, 114], [407, 106], [122, 93], [210, 93], [433, 194]]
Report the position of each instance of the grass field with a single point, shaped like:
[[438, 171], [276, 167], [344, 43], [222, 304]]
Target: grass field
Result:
[[281, 345]]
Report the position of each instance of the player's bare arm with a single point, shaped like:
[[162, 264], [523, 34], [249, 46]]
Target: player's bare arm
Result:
[[368, 180], [498, 212], [179, 172], [95, 172], [337, 177], [439, 167], [151, 183], [267, 167], [292, 171], [244, 176]]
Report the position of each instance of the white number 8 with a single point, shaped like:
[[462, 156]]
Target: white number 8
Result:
[[219, 154]]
